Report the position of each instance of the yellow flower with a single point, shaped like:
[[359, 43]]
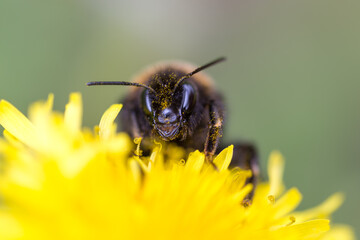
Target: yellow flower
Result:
[[59, 181]]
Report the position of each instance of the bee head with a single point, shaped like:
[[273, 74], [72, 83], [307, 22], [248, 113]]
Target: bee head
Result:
[[167, 100], [169, 105]]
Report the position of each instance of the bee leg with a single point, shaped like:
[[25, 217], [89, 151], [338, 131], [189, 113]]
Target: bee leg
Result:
[[245, 157], [128, 119], [136, 132], [214, 132]]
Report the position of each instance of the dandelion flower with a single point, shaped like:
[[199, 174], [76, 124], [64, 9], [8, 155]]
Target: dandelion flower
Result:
[[61, 181]]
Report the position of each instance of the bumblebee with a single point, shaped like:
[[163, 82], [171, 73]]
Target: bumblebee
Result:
[[178, 103]]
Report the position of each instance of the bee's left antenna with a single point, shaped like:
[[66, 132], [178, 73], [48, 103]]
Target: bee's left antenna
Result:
[[198, 70]]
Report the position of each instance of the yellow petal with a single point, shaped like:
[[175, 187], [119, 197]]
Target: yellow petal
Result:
[[77, 161], [323, 210], [339, 232], [46, 108], [10, 228], [238, 178], [11, 139], [306, 230], [73, 112], [288, 202], [222, 161], [135, 173], [239, 196], [50, 101], [106, 126], [195, 161], [17, 124], [275, 171], [155, 156]]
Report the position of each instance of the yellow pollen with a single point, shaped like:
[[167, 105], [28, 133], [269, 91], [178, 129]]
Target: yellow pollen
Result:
[[292, 220], [271, 199], [246, 203], [182, 162], [137, 141]]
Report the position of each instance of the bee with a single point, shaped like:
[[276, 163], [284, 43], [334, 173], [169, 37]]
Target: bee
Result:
[[178, 103]]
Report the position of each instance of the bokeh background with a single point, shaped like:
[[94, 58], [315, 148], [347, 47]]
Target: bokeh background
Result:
[[291, 80]]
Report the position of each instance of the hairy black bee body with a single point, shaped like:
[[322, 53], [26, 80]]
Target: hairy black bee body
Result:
[[176, 102]]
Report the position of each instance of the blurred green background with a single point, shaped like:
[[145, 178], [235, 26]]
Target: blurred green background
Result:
[[291, 80]]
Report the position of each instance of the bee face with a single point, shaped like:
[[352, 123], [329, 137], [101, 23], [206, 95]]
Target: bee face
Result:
[[168, 107]]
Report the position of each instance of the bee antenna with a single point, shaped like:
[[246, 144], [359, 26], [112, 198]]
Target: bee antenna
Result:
[[122, 84], [198, 70]]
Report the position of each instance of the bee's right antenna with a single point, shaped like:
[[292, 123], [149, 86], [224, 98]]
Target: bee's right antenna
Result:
[[198, 70], [121, 83]]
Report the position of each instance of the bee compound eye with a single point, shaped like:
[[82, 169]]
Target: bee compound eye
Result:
[[146, 103], [188, 98]]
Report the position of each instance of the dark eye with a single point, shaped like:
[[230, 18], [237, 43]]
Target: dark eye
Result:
[[188, 98], [146, 103]]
